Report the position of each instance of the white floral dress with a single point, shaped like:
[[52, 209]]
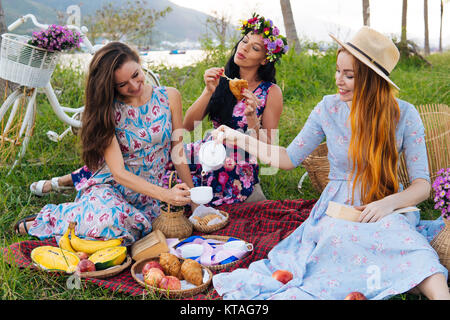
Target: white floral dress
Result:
[[105, 209]]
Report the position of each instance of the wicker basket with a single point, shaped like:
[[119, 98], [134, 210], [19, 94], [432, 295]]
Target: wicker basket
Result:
[[441, 243], [112, 271], [25, 64], [136, 273], [173, 224], [214, 227], [318, 167], [436, 120]]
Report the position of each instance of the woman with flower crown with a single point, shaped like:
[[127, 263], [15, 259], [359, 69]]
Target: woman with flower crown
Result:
[[253, 59]]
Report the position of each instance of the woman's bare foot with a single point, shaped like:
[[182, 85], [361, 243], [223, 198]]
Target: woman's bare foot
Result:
[[23, 225]]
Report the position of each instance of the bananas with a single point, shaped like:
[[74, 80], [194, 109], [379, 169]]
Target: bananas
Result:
[[64, 242], [90, 246]]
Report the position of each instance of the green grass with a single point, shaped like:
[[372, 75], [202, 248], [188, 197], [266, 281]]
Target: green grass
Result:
[[303, 78]]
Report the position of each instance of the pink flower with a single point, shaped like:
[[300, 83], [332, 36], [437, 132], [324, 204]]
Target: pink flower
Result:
[[142, 133], [93, 233], [124, 148], [156, 129], [136, 144], [132, 113], [229, 164], [239, 109], [223, 178], [118, 117], [155, 109], [104, 217]]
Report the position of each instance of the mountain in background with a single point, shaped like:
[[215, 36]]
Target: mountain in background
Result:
[[181, 24]]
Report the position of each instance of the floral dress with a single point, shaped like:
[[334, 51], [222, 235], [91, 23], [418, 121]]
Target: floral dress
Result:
[[235, 181], [103, 208], [330, 257]]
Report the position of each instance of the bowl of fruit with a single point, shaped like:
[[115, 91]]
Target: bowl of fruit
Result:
[[171, 276]]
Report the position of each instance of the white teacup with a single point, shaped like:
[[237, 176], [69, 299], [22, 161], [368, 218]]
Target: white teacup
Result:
[[201, 195], [238, 245]]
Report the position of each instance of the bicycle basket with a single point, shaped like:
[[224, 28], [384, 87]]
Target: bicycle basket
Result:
[[25, 64]]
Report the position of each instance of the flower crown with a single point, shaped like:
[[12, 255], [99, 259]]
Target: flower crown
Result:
[[274, 42]]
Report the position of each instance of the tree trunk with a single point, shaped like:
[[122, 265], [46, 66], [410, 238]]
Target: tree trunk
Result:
[[404, 13], [403, 39], [366, 12], [425, 16], [440, 27], [289, 25]]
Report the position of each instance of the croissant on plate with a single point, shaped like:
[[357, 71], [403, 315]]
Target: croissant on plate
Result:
[[170, 264], [192, 272], [236, 86]]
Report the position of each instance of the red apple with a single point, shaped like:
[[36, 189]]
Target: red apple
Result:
[[283, 276], [85, 265], [82, 255], [149, 265], [153, 277], [170, 283], [355, 295]]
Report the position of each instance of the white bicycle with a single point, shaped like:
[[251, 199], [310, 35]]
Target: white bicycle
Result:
[[32, 67]]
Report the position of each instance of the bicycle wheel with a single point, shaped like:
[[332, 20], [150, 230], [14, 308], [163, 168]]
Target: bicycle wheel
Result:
[[17, 118], [151, 77]]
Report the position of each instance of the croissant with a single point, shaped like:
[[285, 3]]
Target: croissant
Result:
[[170, 264], [192, 272], [236, 86], [209, 217]]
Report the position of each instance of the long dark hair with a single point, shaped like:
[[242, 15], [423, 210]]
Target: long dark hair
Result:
[[222, 102], [98, 123]]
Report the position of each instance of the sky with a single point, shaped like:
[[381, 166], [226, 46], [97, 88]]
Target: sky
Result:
[[314, 19]]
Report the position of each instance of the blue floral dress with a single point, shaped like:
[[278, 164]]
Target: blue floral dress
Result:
[[235, 181], [330, 257], [103, 208]]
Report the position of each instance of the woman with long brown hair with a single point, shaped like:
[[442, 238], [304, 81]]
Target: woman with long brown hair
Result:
[[127, 136], [383, 252]]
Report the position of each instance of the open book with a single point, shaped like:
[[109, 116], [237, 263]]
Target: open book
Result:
[[346, 212]]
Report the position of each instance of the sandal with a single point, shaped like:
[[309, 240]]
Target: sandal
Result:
[[37, 187], [24, 223]]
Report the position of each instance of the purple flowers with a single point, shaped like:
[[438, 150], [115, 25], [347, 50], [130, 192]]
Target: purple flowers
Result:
[[441, 188], [275, 44], [56, 38]]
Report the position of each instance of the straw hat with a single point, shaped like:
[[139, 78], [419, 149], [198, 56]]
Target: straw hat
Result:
[[374, 50]]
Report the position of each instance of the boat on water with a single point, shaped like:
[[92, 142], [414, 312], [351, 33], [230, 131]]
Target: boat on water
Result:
[[176, 51]]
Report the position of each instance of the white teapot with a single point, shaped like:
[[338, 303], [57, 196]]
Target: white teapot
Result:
[[212, 155]]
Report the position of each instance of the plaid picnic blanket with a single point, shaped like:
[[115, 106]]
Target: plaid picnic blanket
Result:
[[263, 224]]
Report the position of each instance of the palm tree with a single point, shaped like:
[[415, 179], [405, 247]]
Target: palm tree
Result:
[[366, 12], [289, 25], [403, 44], [425, 16], [440, 28]]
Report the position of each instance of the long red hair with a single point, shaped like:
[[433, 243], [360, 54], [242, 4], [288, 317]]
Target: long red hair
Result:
[[374, 116]]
